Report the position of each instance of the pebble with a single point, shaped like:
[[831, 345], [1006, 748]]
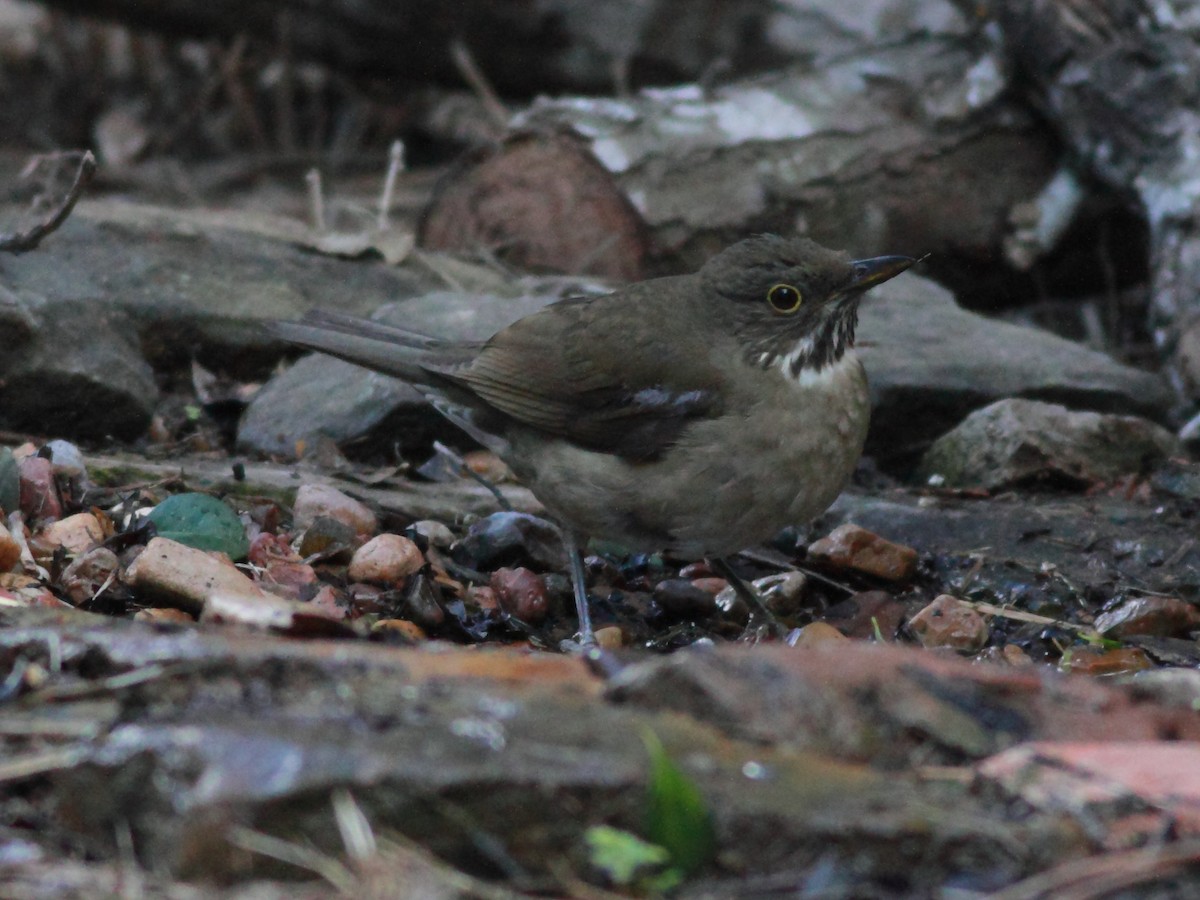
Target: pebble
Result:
[[28, 592], [484, 597], [313, 500], [39, 492], [521, 593], [386, 559], [436, 533], [710, 584], [421, 603], [1008, 655], [506, 538], [855, 548], [489, 466], [609, 637], [88, 573], [10, 550], [684, 599], [165, 615], [948, 622], [327, 538], [406, 631], [783, 593], [1158, 616], [1122, 661], [66, 459], [190, 578], [867, 614], [815, 634], [75, 534], [369, 600]]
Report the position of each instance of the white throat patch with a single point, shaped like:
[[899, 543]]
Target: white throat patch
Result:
[[809, 377]]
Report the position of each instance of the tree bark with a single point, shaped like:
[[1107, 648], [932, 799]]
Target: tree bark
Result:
[[1120, 81]]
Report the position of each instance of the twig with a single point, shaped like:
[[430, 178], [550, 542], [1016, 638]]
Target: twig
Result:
[[24, 241], [395, 167], [1017, 615], [474, 77], [316, 200]]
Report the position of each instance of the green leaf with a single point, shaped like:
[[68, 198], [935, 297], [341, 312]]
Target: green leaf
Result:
[[201, 521], [10, 482], [622, 856], [677, 817]]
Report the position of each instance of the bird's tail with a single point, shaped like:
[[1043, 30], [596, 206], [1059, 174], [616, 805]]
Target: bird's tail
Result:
[[366, 342]]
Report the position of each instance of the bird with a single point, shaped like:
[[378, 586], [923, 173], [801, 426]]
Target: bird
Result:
[[698, 414]]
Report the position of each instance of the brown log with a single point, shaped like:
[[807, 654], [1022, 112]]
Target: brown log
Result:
[[902, 149]]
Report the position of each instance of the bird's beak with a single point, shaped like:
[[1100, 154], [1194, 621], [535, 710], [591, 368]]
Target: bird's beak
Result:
[[877, 270]]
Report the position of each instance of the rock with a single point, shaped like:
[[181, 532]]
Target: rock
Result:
[[190, 578], [10, 550], [198, 284], [10, 482], [1121, 661], [510, 537], [488, 466], [421, 602], [1008, 655], [521, 594], [950, 623], [75, 534], [401, 630], [327, 538], [680, 598], [924, 353], [280, 569], [816, 634], [66, 459], [88, 573], [1161, 616], [321, 397], [436, 533], [1015, 441], [77, 374], [609, 637], [851, 547], [164, 615], [315, 500], [484, 597], [783, 593], [711, 584], [201, 521], [39, 492], [386, 559], [867, 615], [1173, 687]]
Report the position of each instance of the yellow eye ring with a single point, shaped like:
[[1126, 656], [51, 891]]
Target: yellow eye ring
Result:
[[785, 299]]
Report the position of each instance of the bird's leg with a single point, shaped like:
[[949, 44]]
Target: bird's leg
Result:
[[586, 639], [760, 616]]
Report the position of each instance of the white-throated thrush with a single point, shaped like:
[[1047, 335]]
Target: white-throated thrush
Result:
[[697, 413]]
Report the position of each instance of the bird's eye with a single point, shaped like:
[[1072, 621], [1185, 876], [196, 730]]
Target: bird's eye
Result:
[[784, 299]]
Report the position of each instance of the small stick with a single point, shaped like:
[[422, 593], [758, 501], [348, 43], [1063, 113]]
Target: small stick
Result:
[[395, 167], [28, 240], [474, 77], [316, 199]]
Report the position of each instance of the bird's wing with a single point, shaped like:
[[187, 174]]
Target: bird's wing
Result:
[[576, 372]]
